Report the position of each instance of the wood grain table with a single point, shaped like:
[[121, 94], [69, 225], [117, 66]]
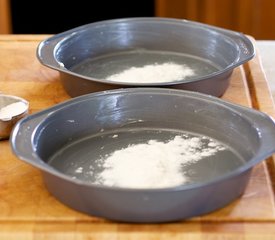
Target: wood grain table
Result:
[[28, 211]]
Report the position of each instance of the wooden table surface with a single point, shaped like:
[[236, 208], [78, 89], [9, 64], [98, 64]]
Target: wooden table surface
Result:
[[28, 211]]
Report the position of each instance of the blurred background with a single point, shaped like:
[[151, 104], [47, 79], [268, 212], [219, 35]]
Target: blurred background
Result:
[[252, 17]]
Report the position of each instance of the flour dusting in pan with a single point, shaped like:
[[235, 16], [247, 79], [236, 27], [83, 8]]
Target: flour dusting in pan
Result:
[[146, 158], [155, 164], [165, 72]]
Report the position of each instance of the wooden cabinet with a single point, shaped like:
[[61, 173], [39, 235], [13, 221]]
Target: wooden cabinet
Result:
[[253, 17], [5, 18], [52, 16]]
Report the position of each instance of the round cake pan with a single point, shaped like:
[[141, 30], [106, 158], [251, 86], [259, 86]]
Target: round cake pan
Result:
[[75, 133], [87, 55]]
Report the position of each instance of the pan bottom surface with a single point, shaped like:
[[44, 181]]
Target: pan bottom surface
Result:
[[194, 158], [116, 63]]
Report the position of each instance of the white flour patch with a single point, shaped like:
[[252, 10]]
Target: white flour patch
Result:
[[155, 164], [153, 73], [12, 110], [79, 170]]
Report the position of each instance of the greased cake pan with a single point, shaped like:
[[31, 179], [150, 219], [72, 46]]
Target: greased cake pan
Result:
[[76, 145], [87, 57]]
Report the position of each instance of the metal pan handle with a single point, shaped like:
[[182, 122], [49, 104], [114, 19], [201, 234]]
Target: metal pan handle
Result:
[[245, 45], [46, 49], [21, 140], [243, 42], [266, 128]]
